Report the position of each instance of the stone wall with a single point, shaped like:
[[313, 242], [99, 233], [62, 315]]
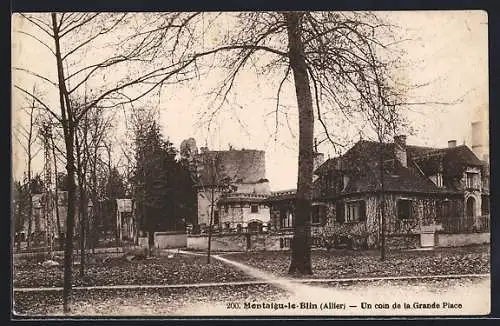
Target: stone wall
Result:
[[410, 241], [241, 242], [268, 242], [229, 242], [461, 239], [164, 240]]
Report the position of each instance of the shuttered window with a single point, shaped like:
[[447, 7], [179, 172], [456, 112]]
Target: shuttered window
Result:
[[355, 211]]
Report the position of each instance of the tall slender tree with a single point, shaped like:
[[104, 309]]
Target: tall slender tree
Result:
[[335, 59]]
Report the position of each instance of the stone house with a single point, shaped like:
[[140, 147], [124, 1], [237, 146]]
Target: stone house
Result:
[[419, 189]]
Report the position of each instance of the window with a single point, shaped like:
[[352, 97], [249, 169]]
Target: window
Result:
[[485, 205], [404, 209], [285, 242], [439, 180], [345, 181], [286, 218], [254, 208], [470, 180], [355, 211]]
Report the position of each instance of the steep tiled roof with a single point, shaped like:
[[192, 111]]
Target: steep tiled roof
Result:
[[453, 159], [362, 152], [401, 180], [363, 157]]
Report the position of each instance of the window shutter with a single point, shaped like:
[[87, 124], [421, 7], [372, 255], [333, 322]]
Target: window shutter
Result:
[[323, 217], [362, 210], [340, 216]]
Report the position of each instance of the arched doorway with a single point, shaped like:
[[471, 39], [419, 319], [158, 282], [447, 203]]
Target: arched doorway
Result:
[[255, 226], [471, 207]]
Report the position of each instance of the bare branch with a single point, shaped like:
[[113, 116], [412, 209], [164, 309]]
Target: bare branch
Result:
[[37, 39], [39, 101]]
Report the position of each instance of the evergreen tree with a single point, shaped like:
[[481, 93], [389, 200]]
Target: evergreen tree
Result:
[[164, 194]]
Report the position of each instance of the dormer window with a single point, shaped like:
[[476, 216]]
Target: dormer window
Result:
[[345, 181], [439, 180], [471, 180]]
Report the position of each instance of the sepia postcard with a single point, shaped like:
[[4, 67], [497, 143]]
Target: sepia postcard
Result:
[[323, 163]]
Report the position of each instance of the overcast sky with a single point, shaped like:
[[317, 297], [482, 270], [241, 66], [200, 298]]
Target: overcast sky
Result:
[[447, 49]]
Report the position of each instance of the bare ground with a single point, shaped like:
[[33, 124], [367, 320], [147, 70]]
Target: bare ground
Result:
[[471, 294], [349, 263], [180, 269]]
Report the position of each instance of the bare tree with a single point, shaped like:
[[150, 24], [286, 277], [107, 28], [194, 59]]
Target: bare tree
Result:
[[71, 38], [336, 59], [27, 137]]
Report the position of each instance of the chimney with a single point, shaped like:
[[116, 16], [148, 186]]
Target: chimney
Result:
[[400, 149], [452, 143], [319, 158]]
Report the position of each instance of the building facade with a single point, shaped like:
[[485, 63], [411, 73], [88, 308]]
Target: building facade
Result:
[[418, 190]]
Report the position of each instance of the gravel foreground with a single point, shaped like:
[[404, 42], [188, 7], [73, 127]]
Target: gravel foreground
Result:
[[468, 296]]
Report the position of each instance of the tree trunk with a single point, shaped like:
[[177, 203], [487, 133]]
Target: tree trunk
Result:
[[382, 206], [30, 208], [58, 219], [81, 202], [81, 209], [212, 201], [70, 221], [30, 199], [69, 132], [301, 242]]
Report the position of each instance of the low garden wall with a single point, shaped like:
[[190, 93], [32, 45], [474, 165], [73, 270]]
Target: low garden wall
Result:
[[407, 241], [163, 240], [461, 239], [241, 242]]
